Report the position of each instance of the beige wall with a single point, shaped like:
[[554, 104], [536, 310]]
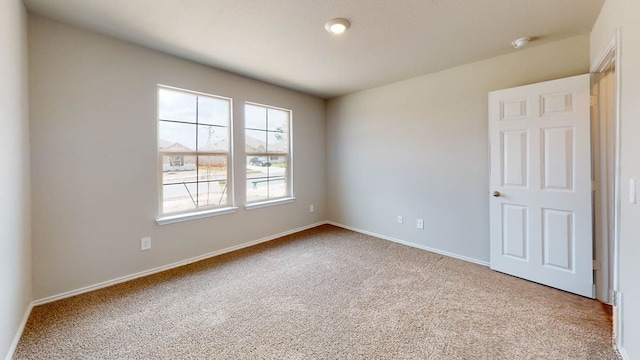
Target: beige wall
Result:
[[15, 242], [625, 15], [416, 148], [419, 148], [94, 161]]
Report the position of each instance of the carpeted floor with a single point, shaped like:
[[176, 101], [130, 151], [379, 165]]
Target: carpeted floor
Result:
[[325, 293]]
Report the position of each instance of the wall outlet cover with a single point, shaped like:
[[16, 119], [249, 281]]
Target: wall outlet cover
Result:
[[145, 243]]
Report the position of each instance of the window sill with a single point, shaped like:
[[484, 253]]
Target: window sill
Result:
[[264, 204], [194, 216]]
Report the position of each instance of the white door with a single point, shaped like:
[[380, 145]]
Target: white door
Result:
[[540, 185]]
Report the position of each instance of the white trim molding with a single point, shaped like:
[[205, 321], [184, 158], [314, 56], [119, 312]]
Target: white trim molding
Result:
[[140, 274], [18, 335], [422, 247], [172, 219], [168, 267], [611, 52], [264, 204]]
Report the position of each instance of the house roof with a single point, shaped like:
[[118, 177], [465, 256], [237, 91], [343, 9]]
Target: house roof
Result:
[[252, 145], [172, 147]]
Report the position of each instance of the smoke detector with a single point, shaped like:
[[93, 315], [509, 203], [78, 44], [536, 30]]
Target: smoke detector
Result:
[[518, 43]]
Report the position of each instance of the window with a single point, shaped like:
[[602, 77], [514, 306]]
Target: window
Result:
[[268, 152], [194, 132]]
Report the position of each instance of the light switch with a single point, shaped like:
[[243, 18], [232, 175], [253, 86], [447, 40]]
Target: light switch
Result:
[[632, 191]]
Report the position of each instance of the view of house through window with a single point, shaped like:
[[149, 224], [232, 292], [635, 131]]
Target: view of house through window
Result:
[[267, 139], [194, 151]]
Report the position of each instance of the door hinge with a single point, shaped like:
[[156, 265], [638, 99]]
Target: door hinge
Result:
[[593, 100], [596, 265]]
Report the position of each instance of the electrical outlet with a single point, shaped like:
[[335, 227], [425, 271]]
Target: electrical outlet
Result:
[[400, 219], [145, 243], [420, 224], [311, 208]]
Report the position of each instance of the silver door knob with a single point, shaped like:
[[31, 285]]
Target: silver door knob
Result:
[[496, 193]]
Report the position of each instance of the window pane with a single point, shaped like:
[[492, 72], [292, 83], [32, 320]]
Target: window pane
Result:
[[179, 197], [255, 117], [191, 125], [177, 169], [176, 136], [213, 111], [268, 147], [212, 193], [176, 105], [257, 190], [255, 141], [266, 182], [278, 142], [278, 168], [277, 188], [262, 189], [258, 167], [212, 168], [206, 186], [278, 120], [213, 138]]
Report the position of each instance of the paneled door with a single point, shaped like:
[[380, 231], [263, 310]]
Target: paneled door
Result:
[[540, 183]]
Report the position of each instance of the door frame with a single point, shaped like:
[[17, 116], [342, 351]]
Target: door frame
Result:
[[611, 54]]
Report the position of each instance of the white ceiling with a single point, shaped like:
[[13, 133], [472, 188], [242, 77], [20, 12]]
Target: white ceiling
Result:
[[284, 41]]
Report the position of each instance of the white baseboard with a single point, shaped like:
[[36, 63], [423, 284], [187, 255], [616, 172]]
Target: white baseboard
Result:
[[210, 255], [234, 248], [238, 247], [19, 332], [169, 266], [422, 247], [624, 354], [101, 285], [620, 302]]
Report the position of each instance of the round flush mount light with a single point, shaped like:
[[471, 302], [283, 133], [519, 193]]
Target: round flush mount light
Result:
[[337, 26], [518, 43]]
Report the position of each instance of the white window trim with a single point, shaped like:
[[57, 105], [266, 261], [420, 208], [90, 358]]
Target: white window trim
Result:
[[172, 219], [263, 204], [291, 197]]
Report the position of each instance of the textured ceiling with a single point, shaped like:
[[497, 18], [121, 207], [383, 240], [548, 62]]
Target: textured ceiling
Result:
[[284, 41]]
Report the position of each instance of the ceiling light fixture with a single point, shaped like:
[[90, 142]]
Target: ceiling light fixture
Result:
[[337, 26], [518, 43]]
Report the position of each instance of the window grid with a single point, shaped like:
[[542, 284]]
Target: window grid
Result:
[[271, 183], [195, 176]]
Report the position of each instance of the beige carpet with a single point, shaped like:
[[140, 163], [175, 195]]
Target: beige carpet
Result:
[[326, 293]]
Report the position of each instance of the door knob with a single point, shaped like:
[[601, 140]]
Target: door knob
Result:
[[496, 193]]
